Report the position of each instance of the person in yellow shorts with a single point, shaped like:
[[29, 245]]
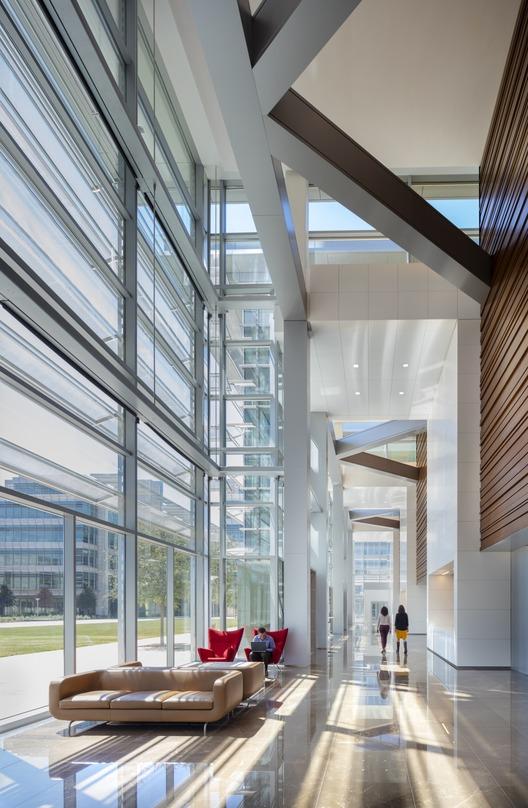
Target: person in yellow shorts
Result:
[[401, 626]]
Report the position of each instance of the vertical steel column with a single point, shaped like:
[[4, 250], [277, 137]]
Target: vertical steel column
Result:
[[199, 370], [69, 594], [131, 25], [296, 492], [222, 565], [170, 607], [201, 605], [130, 594], [274, 561], [200, 197]]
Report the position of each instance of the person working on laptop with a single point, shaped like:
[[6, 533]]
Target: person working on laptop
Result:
[[265, 651]]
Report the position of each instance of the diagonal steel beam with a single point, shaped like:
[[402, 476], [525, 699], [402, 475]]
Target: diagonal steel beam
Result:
[[312, 145], [358, 514], [286, 35], [220, 30], [383, 465], [379, 521], [377, 436]]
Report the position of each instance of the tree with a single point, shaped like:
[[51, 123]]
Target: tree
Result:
[[7, 598], [86, 601], [152, 580], [45, 598]]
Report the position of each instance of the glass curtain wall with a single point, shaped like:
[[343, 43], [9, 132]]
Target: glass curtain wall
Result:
[[245, 424], [95, 482]]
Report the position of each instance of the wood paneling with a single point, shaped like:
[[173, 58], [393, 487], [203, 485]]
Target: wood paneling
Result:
[[421, 508], [504, 329]]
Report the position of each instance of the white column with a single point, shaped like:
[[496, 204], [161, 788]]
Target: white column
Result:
[[338, 558], [296, 493], [297, 189], [319, 522], [350, 576], [395, 571]]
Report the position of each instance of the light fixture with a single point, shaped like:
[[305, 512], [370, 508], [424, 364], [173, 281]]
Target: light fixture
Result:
[[405, 365], [358, 393], [401, 393], [355, 365]]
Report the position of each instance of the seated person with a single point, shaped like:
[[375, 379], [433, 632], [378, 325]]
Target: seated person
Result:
[[263, 656]]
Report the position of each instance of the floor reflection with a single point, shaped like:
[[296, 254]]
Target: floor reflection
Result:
[[351, 731]]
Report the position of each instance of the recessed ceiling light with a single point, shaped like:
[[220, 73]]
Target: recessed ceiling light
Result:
[[405, 365], [355, 365], [358, 393], [402, 393]]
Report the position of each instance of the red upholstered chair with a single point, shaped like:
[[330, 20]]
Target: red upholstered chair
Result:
[[279, 636], [223, 645]]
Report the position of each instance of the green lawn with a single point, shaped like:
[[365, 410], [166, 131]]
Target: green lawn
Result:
[[31, 639]]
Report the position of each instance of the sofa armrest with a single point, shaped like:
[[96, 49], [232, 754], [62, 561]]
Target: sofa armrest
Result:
[[70, 686], [228, 690]]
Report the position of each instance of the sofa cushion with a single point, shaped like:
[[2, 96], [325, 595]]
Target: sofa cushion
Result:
[[189, 700], [142, 699], [92, 698]]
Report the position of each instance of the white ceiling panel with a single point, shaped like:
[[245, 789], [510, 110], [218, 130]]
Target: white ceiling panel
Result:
[[380, 348]]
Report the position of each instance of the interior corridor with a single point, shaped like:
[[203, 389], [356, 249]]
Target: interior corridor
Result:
[[348, 731]]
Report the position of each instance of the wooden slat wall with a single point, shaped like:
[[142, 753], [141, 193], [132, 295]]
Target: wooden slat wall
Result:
[[504, 329], [421, 508]]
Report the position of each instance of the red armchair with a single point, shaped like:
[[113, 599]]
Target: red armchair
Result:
[[280, 641], [223, 645]]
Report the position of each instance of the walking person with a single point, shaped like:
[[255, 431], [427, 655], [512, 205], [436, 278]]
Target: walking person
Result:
[[401, 625], [384, 627]]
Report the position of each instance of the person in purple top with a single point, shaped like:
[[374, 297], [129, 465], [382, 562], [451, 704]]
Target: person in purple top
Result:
[[263, 656]]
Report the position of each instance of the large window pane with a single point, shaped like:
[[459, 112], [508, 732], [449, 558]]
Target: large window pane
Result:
[[157, 96], [30, 227], [27, 357], [245, 262], [249, 370], [98, 27], [98, 595], [57, 461], [239, 218], [248, 592], [248, 423], [152, 603], [160, 454], [248, 530], [31, 605], [250, 324], [184, 608], [166, 335], [164, 512], [55, 154], [68, 88]]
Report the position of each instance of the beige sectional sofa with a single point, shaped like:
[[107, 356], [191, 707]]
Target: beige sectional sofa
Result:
[[137, 694], [253, 676]]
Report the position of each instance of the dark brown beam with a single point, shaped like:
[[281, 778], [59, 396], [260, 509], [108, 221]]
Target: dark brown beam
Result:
[[379, 521], [308, 142], [383, 464]]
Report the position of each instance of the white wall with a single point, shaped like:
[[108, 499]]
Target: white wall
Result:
[[441, 616], [482, 579], [519, 609], [442, 466], [468, 619]]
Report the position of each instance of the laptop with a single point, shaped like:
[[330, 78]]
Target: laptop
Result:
[[258, 646]]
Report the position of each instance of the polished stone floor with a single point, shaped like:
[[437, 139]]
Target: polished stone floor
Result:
[[348, 732]]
